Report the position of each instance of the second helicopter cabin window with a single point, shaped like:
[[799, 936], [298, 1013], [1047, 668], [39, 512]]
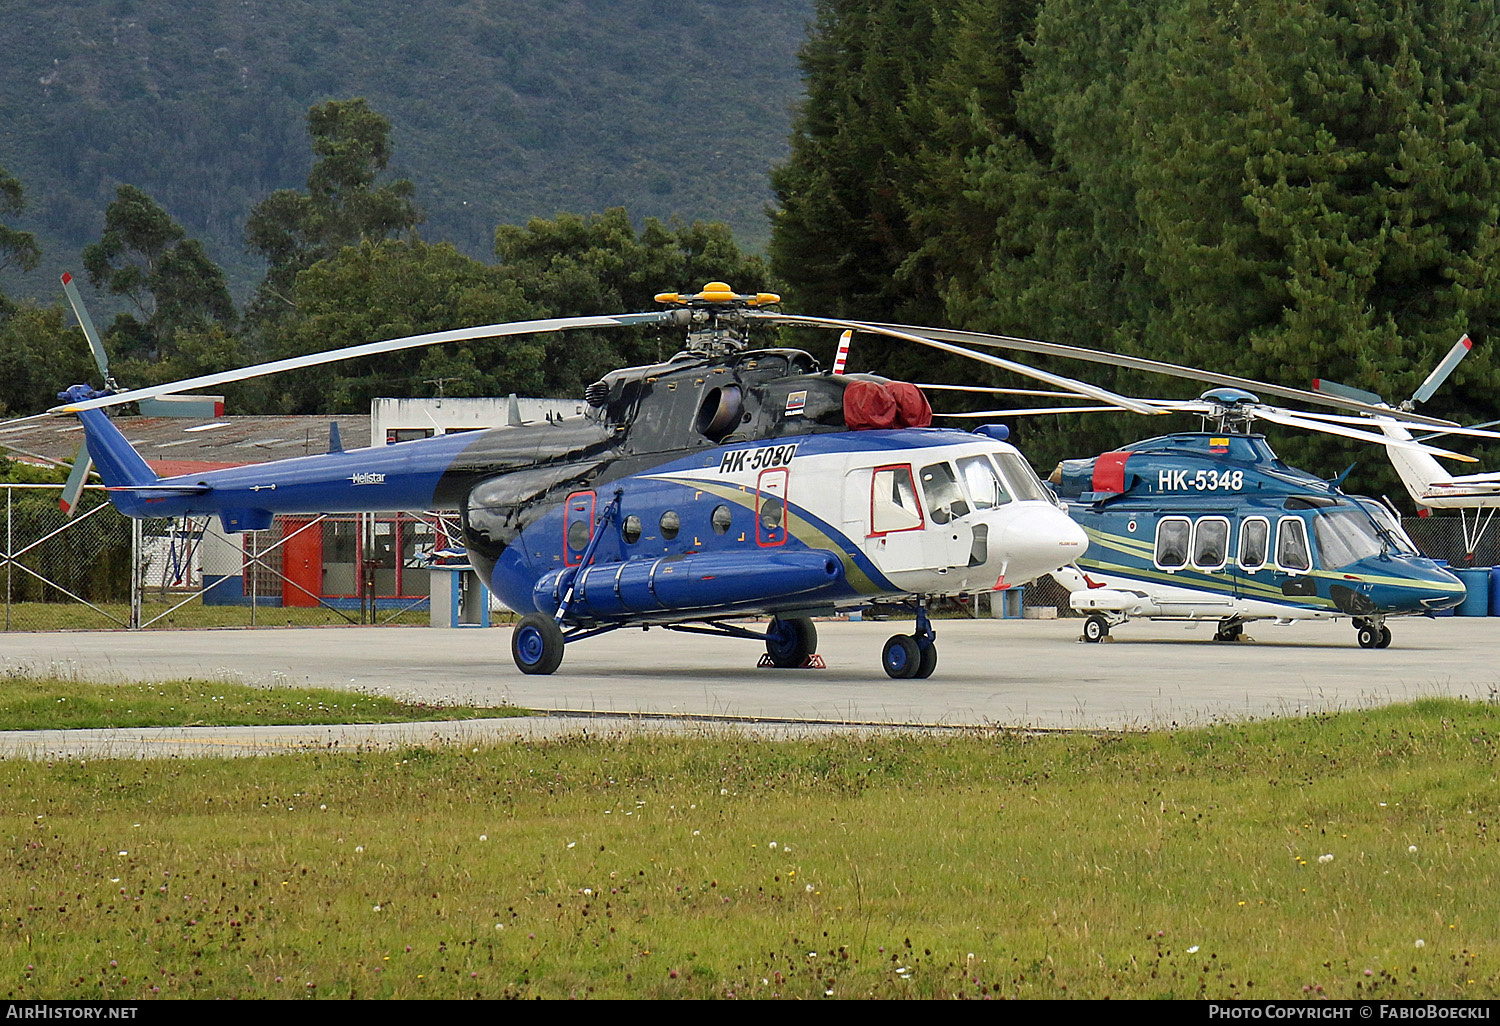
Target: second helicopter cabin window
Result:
[[1211, 543], [1172, 535], [893, 501], [1255, 543], [1291, 545]]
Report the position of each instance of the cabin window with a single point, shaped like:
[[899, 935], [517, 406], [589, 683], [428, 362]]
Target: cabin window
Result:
[[770, 511], [631, 531], [1172, 536], [1345, 536], [893, 501], [984, 485], [1255, 543], [940, 488], [670, 524], [721, 519], [1024, 484], [578, 526], [1291, 545], [1211, 543]]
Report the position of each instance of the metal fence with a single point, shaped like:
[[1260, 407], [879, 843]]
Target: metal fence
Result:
[[101, 570]]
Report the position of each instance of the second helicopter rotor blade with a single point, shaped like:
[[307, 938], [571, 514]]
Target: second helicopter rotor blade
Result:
[[1140, 363], [1277, 416], [906, 335]]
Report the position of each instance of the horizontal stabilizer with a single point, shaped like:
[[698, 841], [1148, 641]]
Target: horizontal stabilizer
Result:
[[196, 407]]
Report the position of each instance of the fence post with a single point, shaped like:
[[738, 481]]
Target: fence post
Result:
[[253, 574], [137, 572], [9, 548]]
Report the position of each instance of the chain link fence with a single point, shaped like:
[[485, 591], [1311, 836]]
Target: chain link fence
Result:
[[101, 570]]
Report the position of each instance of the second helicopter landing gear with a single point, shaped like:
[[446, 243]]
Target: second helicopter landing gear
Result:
[[1372, 633], [908, 656], [1229, 630]]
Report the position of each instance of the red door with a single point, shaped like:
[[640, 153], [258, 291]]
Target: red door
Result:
[[302, 561]]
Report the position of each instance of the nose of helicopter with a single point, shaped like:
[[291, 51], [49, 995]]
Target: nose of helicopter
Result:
[[1437, 589], [1038, 538]]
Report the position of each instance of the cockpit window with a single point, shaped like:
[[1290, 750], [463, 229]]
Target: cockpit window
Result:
[[1390, 527], [982, 483], [1345, 536], [940, 487], [1024, 484]]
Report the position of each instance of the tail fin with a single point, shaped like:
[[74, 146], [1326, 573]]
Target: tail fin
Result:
[[119, 465], [1418, 470]]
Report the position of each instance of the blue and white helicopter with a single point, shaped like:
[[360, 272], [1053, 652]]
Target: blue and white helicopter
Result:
[[728, 481], [1213, 526]]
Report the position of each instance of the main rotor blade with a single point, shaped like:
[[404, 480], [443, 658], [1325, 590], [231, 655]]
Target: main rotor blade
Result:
[[987, 390], [1441, 371], [906, 335], [371, 349], [1277, 416], [1035, 411], [1140, 363]]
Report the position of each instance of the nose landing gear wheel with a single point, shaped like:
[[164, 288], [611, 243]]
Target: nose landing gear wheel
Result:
[[902, 657], [927, 663], [790, 642], [537, 644], [1369, 636], [1384, 640], [1095, 628]]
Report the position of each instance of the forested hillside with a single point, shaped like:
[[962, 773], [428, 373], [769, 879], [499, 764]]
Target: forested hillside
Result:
[[501, 110], [1279, 191]]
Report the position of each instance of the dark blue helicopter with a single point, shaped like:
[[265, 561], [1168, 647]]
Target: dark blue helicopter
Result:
[[728, 481], [1213, 526]]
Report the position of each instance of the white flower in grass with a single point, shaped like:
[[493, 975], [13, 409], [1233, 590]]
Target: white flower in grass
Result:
[[1325, 859]]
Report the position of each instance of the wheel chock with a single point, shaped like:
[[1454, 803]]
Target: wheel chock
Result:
[[812, 662]]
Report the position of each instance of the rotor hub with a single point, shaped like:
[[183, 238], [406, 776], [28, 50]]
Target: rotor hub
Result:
[[715, 318]]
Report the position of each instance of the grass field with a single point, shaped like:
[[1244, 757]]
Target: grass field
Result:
[[67, 616], [28, 703], [1340, 856]]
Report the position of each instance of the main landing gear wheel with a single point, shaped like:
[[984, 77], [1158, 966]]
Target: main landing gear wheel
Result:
[[1229, 632], [902, 657], [1095, 628], [1385, 637], [1373, 635], [537, 644], [790, 642]]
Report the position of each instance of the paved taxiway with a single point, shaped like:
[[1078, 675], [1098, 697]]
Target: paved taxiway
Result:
[[1018, 673]]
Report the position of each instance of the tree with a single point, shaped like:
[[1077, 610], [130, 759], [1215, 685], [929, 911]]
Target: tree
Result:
[[342, 205], [39, 357], [17, 248], [391, 289], [146, 257], [842, 233], [575, 266]]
